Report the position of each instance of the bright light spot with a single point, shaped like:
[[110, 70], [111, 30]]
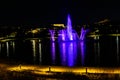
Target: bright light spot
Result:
[[59, 25], [34, 31]]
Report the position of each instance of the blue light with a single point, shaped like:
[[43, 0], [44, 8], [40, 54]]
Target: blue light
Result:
[[62, 48], [68, 51], [69, 28], [52, 33], [83, 49], [53, 52], [83, 33]]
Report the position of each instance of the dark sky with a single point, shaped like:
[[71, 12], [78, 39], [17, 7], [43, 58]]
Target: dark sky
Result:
[[55, 11]]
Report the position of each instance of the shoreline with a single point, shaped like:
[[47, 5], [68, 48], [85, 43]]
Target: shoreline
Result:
[[58, 72], [11, 65]]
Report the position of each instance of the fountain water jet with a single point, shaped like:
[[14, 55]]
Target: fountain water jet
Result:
[[68, 34], [52, 33], [83, 33], [69, 28]]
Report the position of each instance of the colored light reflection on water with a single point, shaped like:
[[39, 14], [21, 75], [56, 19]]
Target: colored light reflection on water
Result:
[[53, 51], [83, 49], [68, 52]]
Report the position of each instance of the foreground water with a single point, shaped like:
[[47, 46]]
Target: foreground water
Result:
[[103, 52]]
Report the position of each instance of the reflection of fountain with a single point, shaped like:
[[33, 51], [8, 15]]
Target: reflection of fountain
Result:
[[62, 47], [82, 46], [68, 51], [53, 52], [68, 34]]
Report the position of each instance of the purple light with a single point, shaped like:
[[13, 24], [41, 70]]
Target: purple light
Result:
[[68, 34], [83, 33], [82, 46], [70, 54], [53, 52], [62, 35], [69, 28], [68, 51], [62, 48], [52, 33]]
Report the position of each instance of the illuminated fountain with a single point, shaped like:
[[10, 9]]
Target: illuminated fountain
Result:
[[68, 34], [83, 33], [52, 35]]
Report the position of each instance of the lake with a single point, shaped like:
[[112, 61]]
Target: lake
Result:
[[97, 53]]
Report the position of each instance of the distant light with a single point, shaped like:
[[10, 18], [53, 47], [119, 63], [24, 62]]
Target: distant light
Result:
[[97, 30], [59, 25], [102, 21], [34, 31]]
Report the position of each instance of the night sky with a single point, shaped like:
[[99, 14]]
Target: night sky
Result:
[[55, 11]]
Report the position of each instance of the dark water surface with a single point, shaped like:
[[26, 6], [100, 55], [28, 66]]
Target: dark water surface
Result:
[[103, 52]]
